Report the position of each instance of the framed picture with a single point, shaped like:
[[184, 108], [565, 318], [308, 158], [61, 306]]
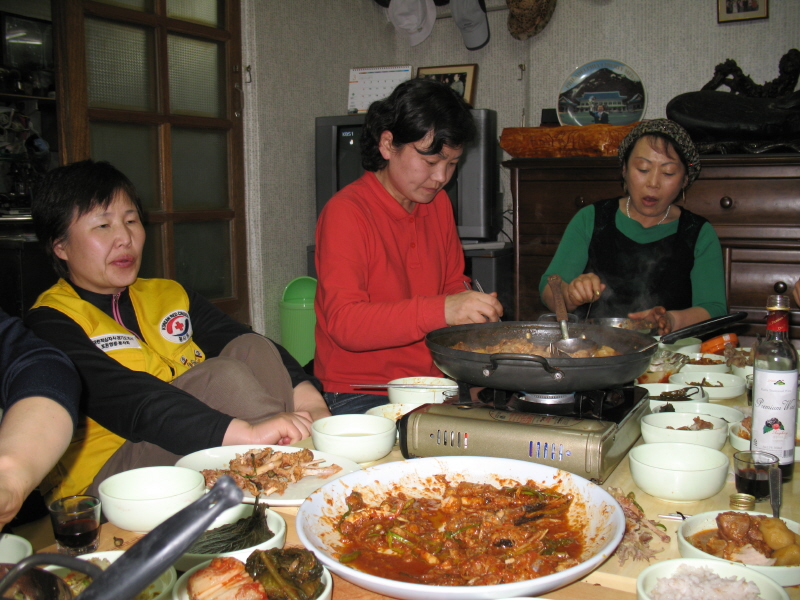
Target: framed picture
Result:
[[459, 77], [741, 10]]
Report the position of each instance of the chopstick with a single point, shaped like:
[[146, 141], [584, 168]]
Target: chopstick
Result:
[[478, 287], [406, 385]]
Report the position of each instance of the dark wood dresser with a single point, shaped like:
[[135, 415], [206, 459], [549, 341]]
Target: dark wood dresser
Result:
[[752, 201]]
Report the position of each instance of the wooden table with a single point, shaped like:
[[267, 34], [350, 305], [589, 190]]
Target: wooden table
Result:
[[610, 581]]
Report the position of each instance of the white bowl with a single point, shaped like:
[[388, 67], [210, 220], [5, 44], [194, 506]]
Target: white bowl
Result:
[[361, 438], [742, 371], [729, 413], [732, 385], [654, 391], [593, 509], [161, 587], [275, 522], [647, 580], [688, 345], [179, 592], [739, 443], [785, 576], [678, 472], [655, 429], [14, 548], [141, 499], [420, 395], [720, 367], [392, 411]]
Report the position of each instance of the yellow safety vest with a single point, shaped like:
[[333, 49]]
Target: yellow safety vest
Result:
[[166, 351]]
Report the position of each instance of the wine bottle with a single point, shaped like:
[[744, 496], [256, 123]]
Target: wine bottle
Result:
[[775, 389]]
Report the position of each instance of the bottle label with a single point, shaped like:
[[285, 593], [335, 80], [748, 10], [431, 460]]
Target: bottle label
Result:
[[778, 320], [774, 413]]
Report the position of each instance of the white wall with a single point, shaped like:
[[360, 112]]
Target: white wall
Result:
[[301, 51]]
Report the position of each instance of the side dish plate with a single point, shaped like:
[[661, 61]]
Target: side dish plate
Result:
[[220, 458]]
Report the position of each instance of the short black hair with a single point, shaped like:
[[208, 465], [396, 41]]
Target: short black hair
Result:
[[415, 108], [66, 193]]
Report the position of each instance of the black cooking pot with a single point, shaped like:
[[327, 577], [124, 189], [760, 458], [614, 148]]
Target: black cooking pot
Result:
[[537, 374]]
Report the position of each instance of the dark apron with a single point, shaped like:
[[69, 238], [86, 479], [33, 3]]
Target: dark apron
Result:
[[640, 276]]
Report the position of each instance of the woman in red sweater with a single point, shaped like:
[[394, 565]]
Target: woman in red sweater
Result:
[[389, 261]]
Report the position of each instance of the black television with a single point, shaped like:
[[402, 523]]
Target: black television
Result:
[[472, 190]]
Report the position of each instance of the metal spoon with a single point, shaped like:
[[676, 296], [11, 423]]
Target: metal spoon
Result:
[[567, 345]]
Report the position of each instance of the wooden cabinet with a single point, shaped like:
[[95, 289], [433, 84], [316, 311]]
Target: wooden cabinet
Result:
[[753, 202]]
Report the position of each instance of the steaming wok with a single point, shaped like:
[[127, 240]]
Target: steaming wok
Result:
[[536, 374]]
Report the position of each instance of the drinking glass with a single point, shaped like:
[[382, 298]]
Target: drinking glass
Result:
[[76, 524], [751, 472]]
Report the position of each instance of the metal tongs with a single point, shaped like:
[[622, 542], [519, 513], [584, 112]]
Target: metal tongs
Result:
[[138, 567], [775, 491]]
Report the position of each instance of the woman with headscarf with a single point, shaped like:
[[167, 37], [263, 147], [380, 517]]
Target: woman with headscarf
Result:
[[640, 255]]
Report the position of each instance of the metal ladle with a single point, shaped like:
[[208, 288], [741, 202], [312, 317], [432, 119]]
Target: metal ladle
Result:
[[567, 345]]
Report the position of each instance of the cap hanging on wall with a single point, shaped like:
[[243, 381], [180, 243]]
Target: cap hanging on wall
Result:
[[415, 18], [526, 18], [470, 18]]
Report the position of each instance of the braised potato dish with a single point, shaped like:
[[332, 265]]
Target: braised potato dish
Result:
[[750, 539]]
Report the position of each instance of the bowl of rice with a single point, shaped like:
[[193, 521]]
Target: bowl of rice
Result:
[[702, 579]]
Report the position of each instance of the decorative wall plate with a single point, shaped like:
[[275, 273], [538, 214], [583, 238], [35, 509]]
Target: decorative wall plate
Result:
[[602, 91]]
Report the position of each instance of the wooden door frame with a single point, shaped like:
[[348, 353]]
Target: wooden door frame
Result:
[[74, 116]]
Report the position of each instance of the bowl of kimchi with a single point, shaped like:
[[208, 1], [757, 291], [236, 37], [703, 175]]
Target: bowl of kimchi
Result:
[[460, 527]]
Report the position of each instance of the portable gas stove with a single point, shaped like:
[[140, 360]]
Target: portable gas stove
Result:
[[585, 433]]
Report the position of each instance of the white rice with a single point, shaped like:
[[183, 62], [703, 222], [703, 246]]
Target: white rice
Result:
[[701, 583]]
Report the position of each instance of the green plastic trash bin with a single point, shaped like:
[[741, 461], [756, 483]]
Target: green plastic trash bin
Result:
[[298, 319]]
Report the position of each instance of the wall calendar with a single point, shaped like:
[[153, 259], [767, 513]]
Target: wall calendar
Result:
[[368, 84]]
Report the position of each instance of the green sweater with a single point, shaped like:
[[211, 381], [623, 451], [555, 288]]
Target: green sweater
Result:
[[708, 279]]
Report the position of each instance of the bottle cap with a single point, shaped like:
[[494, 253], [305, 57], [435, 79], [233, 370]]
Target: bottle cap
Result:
[[743, 502], [778, 303]]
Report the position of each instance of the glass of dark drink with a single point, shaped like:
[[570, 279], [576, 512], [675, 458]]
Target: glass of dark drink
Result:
[[76, 524], [751, 472]]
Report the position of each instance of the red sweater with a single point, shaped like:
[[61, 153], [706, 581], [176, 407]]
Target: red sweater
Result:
[[383, 275]]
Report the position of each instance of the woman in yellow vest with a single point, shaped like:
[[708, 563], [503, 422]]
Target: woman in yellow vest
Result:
[[165, 372]]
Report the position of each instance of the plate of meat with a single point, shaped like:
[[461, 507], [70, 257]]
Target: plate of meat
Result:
[[284, 475]]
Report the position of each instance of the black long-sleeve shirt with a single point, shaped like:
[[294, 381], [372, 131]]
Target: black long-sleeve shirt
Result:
[[31, 367], [136, 405]]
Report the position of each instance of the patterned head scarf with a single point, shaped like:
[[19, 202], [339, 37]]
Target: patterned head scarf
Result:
[[675, 133]]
